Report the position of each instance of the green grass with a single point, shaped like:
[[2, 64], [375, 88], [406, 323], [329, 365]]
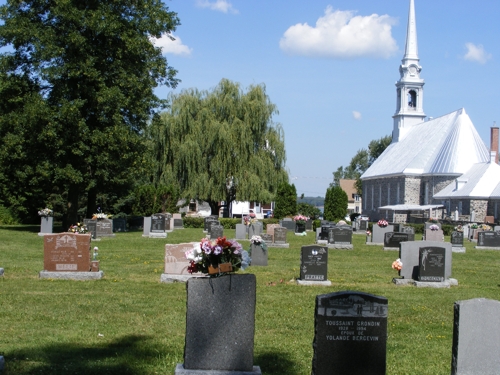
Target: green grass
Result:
[[130, 323]]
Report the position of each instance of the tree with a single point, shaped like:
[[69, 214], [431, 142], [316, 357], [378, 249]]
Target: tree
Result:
[[88, 69], [286, 201], [308, 210], [335, 203], [221, 145]]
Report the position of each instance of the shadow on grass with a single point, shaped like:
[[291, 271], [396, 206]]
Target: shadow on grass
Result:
[[276, 364], [124, 356], [22, 228]]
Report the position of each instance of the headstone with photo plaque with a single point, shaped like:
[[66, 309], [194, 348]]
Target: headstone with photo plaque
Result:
[[314, 266], [350, 334]]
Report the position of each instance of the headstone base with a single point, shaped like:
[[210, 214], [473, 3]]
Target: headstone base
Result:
[[456, 249], [180, 370], [322, 242], [279, 245], [169, 278], [339, 246], [71, 275], [423, 284], [94, 239], [157, 235], [301, 233], [314, 283], [107, 235], [391, 248], [359, 232], [43, 234], [375, 243], [486, 248]]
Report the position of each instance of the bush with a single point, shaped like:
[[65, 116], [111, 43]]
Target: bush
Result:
[[7, 217], [194, 222]]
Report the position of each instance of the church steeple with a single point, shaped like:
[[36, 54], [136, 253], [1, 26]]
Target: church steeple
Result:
[[409, 88]]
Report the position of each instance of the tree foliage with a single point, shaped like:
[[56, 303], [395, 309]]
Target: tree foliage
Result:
[[286, 201], [221, 145], [335, 203], [308, 210], [77, 94]]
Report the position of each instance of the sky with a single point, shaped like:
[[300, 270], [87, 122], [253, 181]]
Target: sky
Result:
[[330, 67]]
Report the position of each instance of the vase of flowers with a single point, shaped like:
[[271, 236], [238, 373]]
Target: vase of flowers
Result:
[[300, 223], [217, 257], [78, 228], [397, 265], [100, 215]]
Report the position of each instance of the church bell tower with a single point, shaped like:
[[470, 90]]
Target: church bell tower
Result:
[[410, 87]]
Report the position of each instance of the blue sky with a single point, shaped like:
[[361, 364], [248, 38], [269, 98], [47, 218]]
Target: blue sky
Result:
[[330, 67]]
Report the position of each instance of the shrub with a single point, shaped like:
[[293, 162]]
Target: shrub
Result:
[[7, 217], [194, 222]]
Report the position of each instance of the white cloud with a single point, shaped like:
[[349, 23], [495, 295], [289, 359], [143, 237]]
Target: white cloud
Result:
[[341, 34], [356, 115], [174, 47], [219, 5], [476, 53]]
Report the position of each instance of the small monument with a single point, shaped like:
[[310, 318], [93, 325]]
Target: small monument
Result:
[[158, 226], [340, 237], [392, 240], [457, 242], [176, 263], [488, 240], [379, 231], [314, 266], [279, 238], [146, 227]]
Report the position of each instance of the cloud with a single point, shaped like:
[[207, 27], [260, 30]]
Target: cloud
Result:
[[476, 53], [342, 35], [174, 47], [219, 5], [356, 115]]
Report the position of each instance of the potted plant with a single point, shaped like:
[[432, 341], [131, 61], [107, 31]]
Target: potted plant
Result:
[[300, 223]]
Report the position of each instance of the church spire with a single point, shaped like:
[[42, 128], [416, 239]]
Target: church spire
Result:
[[410, 93]]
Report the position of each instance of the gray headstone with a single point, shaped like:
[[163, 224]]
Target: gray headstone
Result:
[[314, 263], [92, 227], [104, 228], [255, 229], [457, 239], [217, 309], [409, 230], [280, 235], [309, 224], [341, 235], [259, 256], [266, 237], [210, 224], [434, 235], [476, 333], [216, 231], [363, 225], [409, 254], [350, 334], [207, 220], [146, 228], [241, 231], [46, 224], [488, 239], [379, 233], [288, 223]]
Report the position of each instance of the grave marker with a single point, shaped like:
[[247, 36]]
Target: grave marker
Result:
[[120, 225], [158, 226], [216, 231], [314, 265], [279, 238], [241, 231], [379, 234], [146, 227], [340, 237], [432, 264], [176, 263], [393, 239], [457, 242], [488, 239]]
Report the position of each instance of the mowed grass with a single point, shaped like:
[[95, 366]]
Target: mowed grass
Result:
[[130, 323]]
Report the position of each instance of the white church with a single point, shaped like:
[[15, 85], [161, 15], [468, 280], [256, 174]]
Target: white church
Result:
[[436, 167]]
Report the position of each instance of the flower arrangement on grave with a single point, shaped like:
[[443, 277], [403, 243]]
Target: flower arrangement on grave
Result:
[[78, 228], [433, 220], [100, 215], [382, 223], [46, 212], [300, 219], [217, 257], [341, 222], [434, 227], [474, 226], [257, 240], [485, 227], [249, 220], [368, 233], [397, 265], [459, 228]]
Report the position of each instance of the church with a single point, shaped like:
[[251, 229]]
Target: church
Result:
[[434, 167]]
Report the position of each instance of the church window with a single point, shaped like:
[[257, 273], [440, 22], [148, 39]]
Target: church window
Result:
[[397, 194], [412, 99], [388, 193]]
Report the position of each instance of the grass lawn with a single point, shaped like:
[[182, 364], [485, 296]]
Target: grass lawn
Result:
[[129, 323]]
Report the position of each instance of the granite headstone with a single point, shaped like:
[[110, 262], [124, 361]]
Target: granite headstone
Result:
[[66, 252], [432, 264], [314, 263]]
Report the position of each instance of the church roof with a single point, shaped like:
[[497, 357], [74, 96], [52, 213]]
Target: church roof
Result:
[[481, 181], [446, 145]]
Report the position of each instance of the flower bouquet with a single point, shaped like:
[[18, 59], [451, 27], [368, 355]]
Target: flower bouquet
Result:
[[434, 227], [459, 228], [217, 257], [433, 220], [382, 223], [78, 228], [485, 227], [100, 215], [397, 265], [300, 219], [249, 220], [257, 240], [46, 212]]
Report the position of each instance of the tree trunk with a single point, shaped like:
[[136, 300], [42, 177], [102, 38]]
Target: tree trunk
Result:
[[214, 207], [72, 212], [91, 202]]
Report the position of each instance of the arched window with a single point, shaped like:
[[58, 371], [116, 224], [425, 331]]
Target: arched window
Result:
[[412, 99]]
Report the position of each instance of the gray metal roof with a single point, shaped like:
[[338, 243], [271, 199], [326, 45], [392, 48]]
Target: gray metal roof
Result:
[[447, 145]]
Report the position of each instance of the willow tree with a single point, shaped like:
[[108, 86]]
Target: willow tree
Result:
[[221, 145]]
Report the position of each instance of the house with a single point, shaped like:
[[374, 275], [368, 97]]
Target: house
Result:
[[353, 198]]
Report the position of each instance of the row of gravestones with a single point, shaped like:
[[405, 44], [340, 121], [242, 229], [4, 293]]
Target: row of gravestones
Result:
[[158, 225], [350, 331]]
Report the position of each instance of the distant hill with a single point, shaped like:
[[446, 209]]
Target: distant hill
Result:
[[315, 201]]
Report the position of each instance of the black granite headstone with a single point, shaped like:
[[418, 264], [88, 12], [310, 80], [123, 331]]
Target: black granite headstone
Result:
[[392, 239], [363, 225], [457, 239], [325, 229], [341, 235], [314, 263], [432, 264], [120, 225], [288, 224], [178, 223], [350, 334], [488, 239], [92, 228], [158, 223]]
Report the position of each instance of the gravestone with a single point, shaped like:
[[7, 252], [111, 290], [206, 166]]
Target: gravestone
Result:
[[409, 230], [393, 239], [314, 265], [46, 225], [476, 332], [258, 255], [340, 237], [104, 228], [216, 231], [158, 226], [350, 334], [270, 228], [146, 227], [309, 224], [267, 238], [92, 228], [67, 256], [457, 242], [428, 225], [178, 222], [378, 234], [120, 225], [210, 224], [216, 309], [279, 238], [434, 235], [288, 223], [363, 225], [432, 264], [241, 231], [206, 221], [325, 230], [488, 240], [255, 229], [169, 222], [176, 263]]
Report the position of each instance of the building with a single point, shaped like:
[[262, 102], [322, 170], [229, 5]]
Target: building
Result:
[[353, 198], [414, 177]]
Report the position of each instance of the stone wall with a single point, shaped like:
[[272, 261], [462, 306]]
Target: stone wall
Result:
[[480, 209]]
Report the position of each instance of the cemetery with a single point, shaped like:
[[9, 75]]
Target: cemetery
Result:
[[147, 315]]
